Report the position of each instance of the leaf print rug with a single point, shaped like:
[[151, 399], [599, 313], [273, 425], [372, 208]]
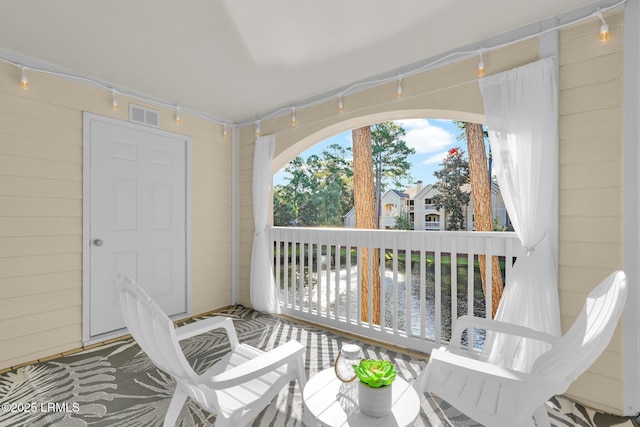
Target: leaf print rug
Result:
[[117, 385]]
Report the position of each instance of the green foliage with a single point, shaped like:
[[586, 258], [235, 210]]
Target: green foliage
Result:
[[403, 222], [319, 190], [375, 373], [390, 153], [390, 164], [454, 173], [462, 127], [498, 225]]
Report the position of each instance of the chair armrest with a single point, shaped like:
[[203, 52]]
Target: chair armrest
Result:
[[488, 370], [205, 325], [467, 321], [254, 368]]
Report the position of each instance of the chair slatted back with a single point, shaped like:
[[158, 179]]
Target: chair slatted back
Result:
[[153, 331], [590, 333]]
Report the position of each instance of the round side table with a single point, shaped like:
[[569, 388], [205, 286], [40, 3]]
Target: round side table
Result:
[[330, 402]]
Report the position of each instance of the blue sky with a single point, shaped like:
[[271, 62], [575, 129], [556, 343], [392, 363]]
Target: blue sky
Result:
[[431, 138]]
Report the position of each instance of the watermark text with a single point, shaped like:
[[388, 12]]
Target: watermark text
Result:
[[40, 407]]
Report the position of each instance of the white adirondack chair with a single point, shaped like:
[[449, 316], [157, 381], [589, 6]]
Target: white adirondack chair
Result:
[[236, 389], [496, 396]]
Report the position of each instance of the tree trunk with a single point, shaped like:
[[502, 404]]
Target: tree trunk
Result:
[[378, 191], [363, 193], [482, 211]]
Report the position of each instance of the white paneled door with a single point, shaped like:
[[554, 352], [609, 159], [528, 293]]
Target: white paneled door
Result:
[[138, 218]]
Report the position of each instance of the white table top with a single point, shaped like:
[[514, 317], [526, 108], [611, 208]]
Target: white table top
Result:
[[331, 402]]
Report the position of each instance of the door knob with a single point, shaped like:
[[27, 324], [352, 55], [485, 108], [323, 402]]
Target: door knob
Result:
[[98, 242]]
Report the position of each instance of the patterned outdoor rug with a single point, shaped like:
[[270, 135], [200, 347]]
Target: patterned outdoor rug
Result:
[[117, 385]]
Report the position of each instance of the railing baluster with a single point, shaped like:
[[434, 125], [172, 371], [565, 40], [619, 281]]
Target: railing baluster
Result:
[[383, 274], [290, 299], [302, 281], [327, 264], [454, 283], [471, 284], [318, 277], [423, 289], [336, 274], [294, 264], [275, 257], [407, 282], [359, 282], [438, 291], [488, 262], [370, 277], [348, 279], [394, 290]]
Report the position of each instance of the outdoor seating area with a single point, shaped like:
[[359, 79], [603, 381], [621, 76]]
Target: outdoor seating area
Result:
[[117, 384], [144, 148]]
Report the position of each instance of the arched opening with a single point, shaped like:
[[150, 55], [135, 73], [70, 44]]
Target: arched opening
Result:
[[287, 149], [431, 141]]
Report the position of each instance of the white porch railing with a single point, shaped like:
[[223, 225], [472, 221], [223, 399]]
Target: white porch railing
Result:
[[318, 271], [432, 225]]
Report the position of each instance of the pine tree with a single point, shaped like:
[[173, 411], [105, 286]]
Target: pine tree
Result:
[[482, 209], [452, 196], [390, 164], [363, 189]]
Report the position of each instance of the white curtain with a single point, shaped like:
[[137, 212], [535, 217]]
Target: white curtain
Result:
[[522, 120], [263, 289]]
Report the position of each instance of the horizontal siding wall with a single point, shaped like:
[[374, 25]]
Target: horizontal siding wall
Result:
[[41, 212], [590, 205]]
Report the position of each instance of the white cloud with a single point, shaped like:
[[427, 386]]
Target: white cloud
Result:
[[436, 158], [425, 137]]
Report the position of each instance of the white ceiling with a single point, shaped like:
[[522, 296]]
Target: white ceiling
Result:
[[240, 59]]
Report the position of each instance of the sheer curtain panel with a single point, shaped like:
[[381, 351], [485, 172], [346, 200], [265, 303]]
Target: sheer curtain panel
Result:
[[522, 120], [263, 288]]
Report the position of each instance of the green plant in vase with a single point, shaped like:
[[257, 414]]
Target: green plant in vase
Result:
[[375, 373], [374, 391]]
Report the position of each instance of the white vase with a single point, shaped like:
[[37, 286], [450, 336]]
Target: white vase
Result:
[[374, 401]]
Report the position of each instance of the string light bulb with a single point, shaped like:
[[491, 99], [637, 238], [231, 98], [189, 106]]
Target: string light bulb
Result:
[[604, 35], [480, 71], [340, 105], [178, 114], [114, 100], [24, 82], [258, 128], [293, 116], [399, 89]]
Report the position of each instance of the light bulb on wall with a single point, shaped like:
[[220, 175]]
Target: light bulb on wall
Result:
[[340, 106], [178, 114], [224, 131], [480, 70], [114, 100], [258, 128], [604, 35], [293, 116], [399, 89], [24, 82]]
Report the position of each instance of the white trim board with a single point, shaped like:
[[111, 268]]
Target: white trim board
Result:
[[631, 211]]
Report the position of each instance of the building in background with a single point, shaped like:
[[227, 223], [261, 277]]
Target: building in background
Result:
[[418, 202]]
